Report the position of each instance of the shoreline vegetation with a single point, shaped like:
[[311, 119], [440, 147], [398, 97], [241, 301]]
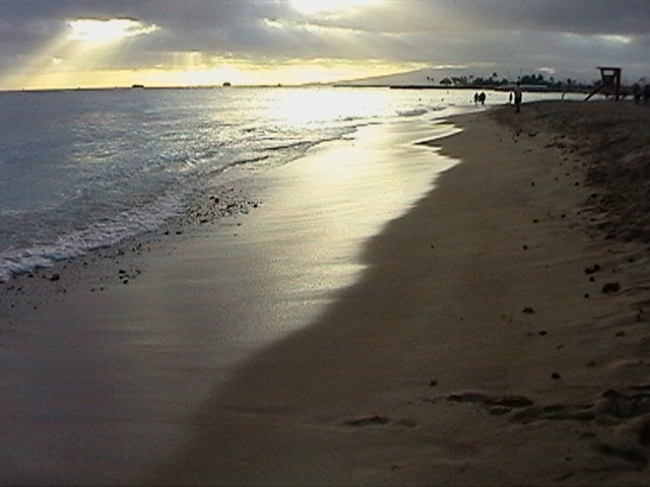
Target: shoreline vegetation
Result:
[[500, 334], [528, 83]]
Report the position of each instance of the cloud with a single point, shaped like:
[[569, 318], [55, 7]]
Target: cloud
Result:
[[571, 36]]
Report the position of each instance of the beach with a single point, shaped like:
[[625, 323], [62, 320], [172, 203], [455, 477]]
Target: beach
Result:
[[493, 332], [496, 338], [109, 356]]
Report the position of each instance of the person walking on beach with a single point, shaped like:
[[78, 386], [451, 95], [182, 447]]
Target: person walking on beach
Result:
[[636, 91], [517, 92]]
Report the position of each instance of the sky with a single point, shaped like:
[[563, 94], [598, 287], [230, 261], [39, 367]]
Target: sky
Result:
[[47, 44]]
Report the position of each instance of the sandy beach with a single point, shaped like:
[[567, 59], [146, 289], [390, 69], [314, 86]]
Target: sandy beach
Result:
[[494, 334], [498, 336]]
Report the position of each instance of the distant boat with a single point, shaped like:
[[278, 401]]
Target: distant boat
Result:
[[227, 84], [137, 86]]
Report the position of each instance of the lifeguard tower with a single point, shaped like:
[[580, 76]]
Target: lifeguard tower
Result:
[[610, 83]]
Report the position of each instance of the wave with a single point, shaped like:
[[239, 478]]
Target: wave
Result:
[[292, 145], [417, 112], [30, 257]]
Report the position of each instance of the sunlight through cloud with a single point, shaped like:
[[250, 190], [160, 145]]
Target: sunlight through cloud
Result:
[[310, 7], [84, 53], [111, 30], [617, 39]]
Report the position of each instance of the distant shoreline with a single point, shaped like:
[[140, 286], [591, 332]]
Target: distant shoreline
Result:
[[530, 89], [540, 89]]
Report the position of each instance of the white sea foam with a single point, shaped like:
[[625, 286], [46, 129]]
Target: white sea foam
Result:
[[99, 234]]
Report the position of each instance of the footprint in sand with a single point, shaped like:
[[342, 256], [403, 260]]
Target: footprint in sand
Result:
[[631, 456], [378, 421], [368, 421], [613, 408]]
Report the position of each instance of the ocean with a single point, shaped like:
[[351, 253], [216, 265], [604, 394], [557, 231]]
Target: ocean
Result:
[[80, 170]]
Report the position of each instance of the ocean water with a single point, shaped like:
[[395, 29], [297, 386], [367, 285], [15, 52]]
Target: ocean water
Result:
[[81, 170]]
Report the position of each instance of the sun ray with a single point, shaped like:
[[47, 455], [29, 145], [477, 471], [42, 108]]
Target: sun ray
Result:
[[79, 57], [83, 46], [106, 31]]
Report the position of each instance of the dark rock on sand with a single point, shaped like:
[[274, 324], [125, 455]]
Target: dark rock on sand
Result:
[[611, 287]]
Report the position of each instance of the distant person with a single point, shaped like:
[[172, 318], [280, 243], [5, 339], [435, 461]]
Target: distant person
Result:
[[636, 91], [475, 98], [482, 97], [510, 98], [518, 96]]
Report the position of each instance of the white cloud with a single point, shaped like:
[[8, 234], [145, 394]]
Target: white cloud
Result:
[[107, 30]]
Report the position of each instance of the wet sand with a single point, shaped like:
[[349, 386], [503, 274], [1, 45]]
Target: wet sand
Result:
[[107, 359], [495, 334], [498, 336]]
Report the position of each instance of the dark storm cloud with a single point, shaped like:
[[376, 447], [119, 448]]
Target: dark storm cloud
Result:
[[436, 31], [188, 21], [574, 16], [204, 17]]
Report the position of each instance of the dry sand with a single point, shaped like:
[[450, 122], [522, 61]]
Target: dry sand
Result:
[[498, 336]]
